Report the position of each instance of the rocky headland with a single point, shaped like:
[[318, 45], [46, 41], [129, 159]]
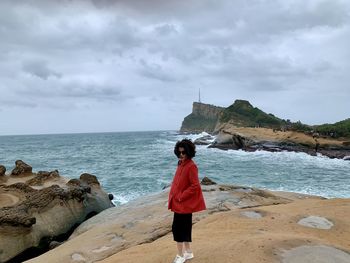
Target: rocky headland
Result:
[[241, 126], [241, 224], [36, 209]]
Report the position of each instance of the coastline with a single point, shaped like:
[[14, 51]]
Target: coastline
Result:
[[230, 137]]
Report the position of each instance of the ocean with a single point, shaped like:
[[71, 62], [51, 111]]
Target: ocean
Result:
[[134, 164]]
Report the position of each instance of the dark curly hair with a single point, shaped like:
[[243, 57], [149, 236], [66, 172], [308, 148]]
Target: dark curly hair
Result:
[[189, 147]]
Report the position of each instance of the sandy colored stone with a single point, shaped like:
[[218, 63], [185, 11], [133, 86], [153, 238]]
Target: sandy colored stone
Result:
[[316, 222], [228, 237], [41, 205], [319, 254], [265, 134], [140, 231]]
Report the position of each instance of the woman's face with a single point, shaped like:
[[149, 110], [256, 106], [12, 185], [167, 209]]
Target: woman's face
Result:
[[182, 153]]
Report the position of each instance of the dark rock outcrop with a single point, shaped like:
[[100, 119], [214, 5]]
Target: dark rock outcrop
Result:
[[21, 168], [207, 181], [2, 170]]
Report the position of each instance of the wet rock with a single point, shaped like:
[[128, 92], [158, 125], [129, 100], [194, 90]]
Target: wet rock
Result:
[[207, 181], [205, 140], [21, 168], [2, 170]]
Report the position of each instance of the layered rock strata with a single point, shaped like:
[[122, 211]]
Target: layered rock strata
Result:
[[40, 206]]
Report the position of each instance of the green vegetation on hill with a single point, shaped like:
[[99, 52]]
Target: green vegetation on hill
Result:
[[242, 113], [336, 130]]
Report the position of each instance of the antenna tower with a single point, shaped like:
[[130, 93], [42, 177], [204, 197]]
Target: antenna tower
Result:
[[199, 93]]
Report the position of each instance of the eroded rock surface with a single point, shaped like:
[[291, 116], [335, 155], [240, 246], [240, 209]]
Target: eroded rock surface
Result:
[[34, 206], [147, 219]]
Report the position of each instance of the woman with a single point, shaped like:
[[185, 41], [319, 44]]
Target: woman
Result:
[[185, 198]]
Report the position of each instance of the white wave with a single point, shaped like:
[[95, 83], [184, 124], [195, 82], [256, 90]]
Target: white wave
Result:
[[123, 199], [284, 156], [192, 136]]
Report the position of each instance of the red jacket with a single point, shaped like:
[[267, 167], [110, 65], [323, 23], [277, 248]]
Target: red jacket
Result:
[[185, 196]]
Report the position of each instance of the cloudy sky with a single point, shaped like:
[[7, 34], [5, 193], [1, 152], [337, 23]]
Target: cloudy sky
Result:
[[124, 65]]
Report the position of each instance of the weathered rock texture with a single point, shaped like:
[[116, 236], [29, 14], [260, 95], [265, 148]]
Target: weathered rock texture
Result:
[[242, 224], [43, 205], [21, 168], [146, 220]]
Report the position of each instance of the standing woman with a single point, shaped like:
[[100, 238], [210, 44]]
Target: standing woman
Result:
[[185, 198]]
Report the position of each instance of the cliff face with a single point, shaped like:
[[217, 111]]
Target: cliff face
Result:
[[204, 117]]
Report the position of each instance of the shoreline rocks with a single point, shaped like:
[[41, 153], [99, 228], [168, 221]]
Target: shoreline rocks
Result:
[[37, 207], [255, 139]]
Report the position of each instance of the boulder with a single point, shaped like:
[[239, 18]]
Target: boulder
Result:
[[235, 141], [21, 168], [2, 170], [204, 140], [33, 212], [207, 181]]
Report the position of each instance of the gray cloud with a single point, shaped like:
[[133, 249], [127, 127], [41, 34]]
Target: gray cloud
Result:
[[40, 69], [109, 55]]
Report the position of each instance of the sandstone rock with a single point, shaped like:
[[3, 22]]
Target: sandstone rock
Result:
[[2, 170], [144, 220], [32, 215], [316, 222], [21, 168], [42, 177], [251, 214], [321, 254], [235, 141], [89, 179]]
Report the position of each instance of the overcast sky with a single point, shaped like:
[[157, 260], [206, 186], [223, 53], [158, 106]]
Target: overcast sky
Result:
[[104, 65]]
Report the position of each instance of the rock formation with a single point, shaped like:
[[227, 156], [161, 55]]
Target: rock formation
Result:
[[241, 224], [242, 126], [204, 117], [37, 207]]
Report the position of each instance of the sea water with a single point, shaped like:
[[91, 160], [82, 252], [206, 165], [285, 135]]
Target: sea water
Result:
[[133, 164]]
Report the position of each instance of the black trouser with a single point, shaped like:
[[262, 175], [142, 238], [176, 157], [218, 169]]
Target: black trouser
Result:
[[182, 227]]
